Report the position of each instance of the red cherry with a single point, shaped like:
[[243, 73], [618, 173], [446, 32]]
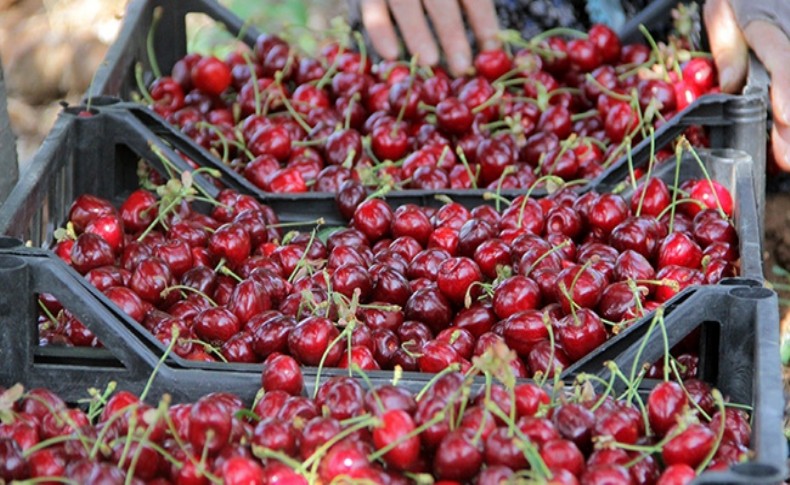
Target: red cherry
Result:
[[700, 73], [211, 76], [395, 425], [689, 447], [584, 55], [678, 474], [456, 277], [209, 425], [664, 405], [231, 242], [680, 250], [656, 198], [87, 207], [580, 333], [309, 340], [516, 294], [110, 228], [240, 470], [91, 251], [606, 43], [712, 195], [492, 64], [454, 116], [282, 372], [373, 218], [562, 454], [458, 457]]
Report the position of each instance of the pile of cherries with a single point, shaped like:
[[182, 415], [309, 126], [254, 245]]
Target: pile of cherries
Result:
[[415, 287], [451, 432], [556, 106]]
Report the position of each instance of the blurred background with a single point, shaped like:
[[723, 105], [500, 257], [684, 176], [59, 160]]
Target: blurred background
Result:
[[51, 48]]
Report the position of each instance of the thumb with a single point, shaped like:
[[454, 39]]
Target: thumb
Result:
[[727, 44]]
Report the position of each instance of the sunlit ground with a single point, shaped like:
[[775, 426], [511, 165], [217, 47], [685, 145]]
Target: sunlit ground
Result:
[[50, 49]]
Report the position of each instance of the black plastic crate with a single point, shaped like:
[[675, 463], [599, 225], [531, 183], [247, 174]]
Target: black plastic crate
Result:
[[96, 154], [99, 155], [740, 330], [734, 121]]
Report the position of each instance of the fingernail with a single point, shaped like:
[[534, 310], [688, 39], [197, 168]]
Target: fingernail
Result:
[[727, 79], [489, 44], [460, 63]]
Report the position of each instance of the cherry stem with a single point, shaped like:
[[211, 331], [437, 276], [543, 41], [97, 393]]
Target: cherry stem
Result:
[[706, 174], [263, 452], [506, 76], [37, 480], [138, 76], [609, 386], [530, 451], [346, 332], [149, 42], [585, 115], [41, 445], [49, 315], [513, 37], [648, 449], [435, 419], [490, 101], [607, 91], [330, 72], [541, 380], [553, 250], [315, 222], [355, 368], [161, 410], [294, 114], [200, 467], [167, 291], [679, 378], [454, 367], [402, 111], [510, 169], [654, 47], [679, 201], [659, 314], [303, 258], [211, 349], [573, 33], [168, 350], [350, 111], [99, 400], [222, 138], [132, 408], [256, 92], [719, 400], [465, 162], [313, 460], [363, 51], [649, 171]]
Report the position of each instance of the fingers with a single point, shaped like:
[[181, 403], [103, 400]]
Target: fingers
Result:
[[727, 44], [376, 19], [482, 16], [771, 46], [449, 26], [415, 31], [780, 144]]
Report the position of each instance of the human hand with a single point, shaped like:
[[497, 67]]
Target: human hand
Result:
[[734, 26], [445, 16]]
